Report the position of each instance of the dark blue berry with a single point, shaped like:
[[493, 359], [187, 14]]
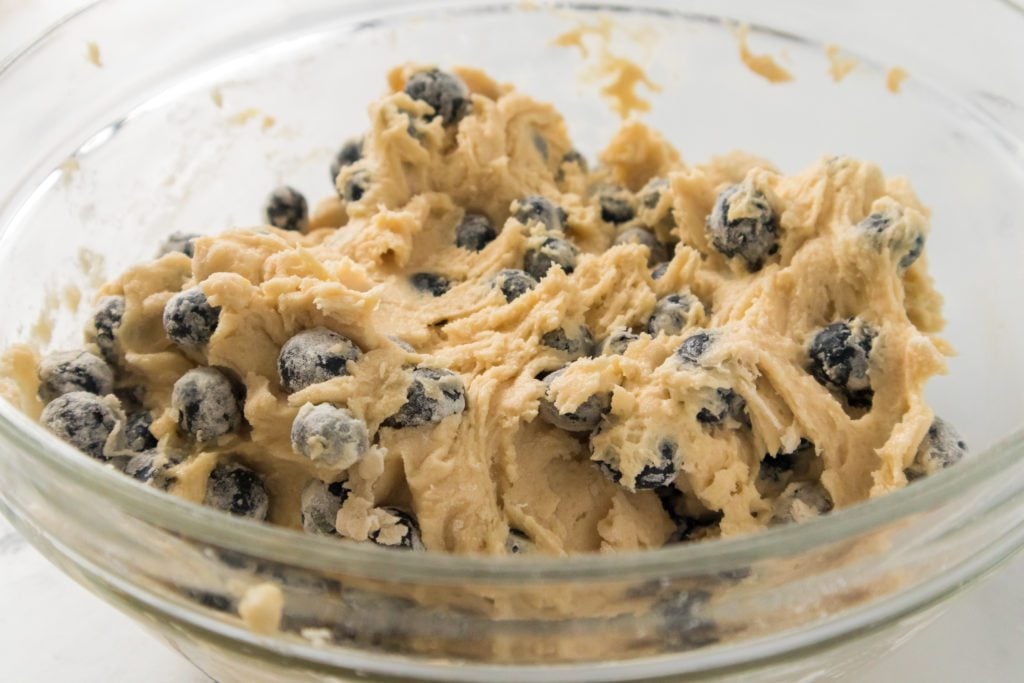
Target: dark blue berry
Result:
[[580, 344], [801, 501], [574, 157], [617, 205], [350, 153], [106, 320], [81, 419], [650, 194], [319, 505], [659, 271], [356, 185], [540, 144], [329, 436], [399, 531], [881, 228], [537, 209], [661, 470], [518, 543], [941, 447], [182, 242], [189, 319], [136, 432], [670, 314], [724, 404], [615, 344], [514, 283], [694, 347], [314, 356], [208, 403], [151, 467], [446, 94], [430, 283], [553, 251], [287, 209], [839, 357], [752, 238], [657, 252], [237, 490], [584, 419], [432, 395], [63, 372], [474, 232]]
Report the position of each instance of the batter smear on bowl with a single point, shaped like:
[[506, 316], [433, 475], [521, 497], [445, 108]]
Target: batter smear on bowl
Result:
[[485, 344]]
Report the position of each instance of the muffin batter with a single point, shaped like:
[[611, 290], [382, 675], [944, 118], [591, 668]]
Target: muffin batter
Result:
[[480, 345]]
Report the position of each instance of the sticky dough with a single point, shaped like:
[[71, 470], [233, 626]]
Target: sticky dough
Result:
[[472, 477]]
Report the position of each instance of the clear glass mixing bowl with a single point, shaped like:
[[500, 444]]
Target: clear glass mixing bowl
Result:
[[200, 107]]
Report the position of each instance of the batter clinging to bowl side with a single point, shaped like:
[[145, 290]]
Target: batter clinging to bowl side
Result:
[[482, 346]]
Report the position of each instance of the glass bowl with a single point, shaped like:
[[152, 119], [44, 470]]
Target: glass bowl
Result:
[[196, 109]]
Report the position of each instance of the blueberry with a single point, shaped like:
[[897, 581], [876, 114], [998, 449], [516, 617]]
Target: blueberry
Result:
[[287, 209], [399, 530], [189, 319], [474, 232], [320, 503], [685, 626], [351, 152], [670, 314], [584, 419], [356, 185], [553, 251], [151, 467], [661, 470], [432, 395], [514, 283], [617, 205], [574, 157], [724, 404], [430, 283], [694, 347], [753, 235], [537, 209], [314, 356], [518, 543], [887, 229], [941, 447], [540, 144], [182, 242], [657, 253], [579, 345], [649, 195], [659, 271], [329, 436], [62, 372], [207, 402], [237, 490], [106, 320], [82, 419], [136, 431], [615, 344], [801, 501], [839, 357], [446, 94], [778, 470]]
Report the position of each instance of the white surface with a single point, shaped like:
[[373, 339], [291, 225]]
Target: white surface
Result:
[[52, 629]]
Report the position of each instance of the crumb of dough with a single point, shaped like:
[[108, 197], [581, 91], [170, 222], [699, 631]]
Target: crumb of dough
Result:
[[764, 66], [18, 379], [90, 264], [72, 297], [261, 608], [217, 95], [245, 116], [575, 37], [268, 122], [894, 78], [41, 331], [69, 167], [839, 66], [92, 53]]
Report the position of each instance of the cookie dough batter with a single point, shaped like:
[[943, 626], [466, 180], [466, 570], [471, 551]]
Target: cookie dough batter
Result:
[[479, 345]]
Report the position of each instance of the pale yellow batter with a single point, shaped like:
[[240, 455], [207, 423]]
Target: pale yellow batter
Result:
[[496, 466]]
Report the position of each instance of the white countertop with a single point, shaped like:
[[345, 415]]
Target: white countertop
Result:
[[51, 629]]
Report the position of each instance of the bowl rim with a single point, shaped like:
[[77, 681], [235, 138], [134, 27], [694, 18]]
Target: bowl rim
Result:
[[160, 509]]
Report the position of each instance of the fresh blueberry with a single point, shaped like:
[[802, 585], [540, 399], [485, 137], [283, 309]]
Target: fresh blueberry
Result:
[[287, 209], [577, 346], [182, 242], [724, 404], [329, 436], [840, 360], [753, 235], [237, 490], [778, 470], [574, 157], [686, 627], [152, 467], [649, 195], [432, 395], [661, 470], [553, 251], [81, 419], [886, 229], [670, 314], [136, 431], [189, 319], [399, 530], [207, 402], [474, 232], [941, 447], [314, 356], [350, 153], [615, 344], [106, 320], [320, 503], [694, 347], [514, 283], [446, 94], [62, 372], [657, 253], [584, 419], [617, 205], [537, 209], [801, 501], [659, 271], [430, 283], [356, 185], [518, 543]]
